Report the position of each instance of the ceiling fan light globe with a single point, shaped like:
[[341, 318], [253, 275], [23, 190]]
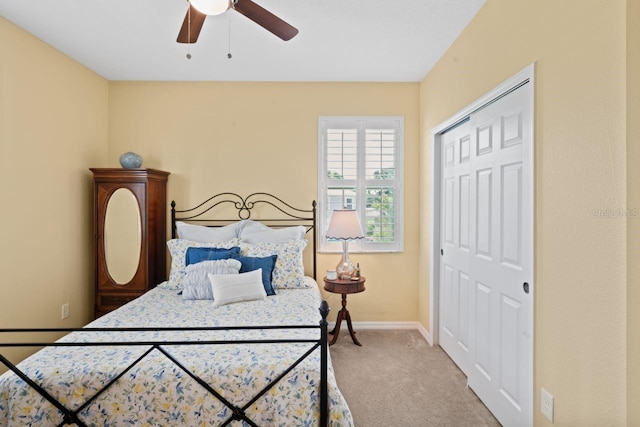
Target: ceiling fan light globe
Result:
[[211, 7]]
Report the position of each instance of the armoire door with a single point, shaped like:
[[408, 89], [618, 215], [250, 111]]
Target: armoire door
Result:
[[121, 233]]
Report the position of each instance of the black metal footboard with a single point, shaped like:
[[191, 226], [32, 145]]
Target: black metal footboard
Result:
[[237, 412]]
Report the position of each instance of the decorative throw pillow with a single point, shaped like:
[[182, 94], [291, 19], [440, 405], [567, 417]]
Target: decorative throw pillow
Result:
[[203, 234], [195, 255], [196, 283], [178, 249], [230, 288], [267, 264], [289, 269], [256, 232]]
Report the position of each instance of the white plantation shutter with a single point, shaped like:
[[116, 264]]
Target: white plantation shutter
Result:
[[360, 167]]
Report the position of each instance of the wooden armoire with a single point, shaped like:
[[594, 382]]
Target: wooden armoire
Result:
[[130, 223]]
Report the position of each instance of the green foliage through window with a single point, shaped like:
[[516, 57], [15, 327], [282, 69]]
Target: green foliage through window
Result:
[[380, 214]]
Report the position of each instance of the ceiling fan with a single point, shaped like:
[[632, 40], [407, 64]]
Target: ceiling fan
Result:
[[199, 9]]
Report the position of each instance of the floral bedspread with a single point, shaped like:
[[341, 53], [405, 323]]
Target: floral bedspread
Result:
[[156, 392]]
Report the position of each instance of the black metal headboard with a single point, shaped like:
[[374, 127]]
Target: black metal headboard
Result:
[[226, 208]]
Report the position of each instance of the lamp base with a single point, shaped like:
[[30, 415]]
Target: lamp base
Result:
[[345, 271], [345, 268]]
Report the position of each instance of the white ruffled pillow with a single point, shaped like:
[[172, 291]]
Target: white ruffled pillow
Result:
[[230, 288], [288, 272], [178, 249], [196, 283], [203, 234], [256, 232]]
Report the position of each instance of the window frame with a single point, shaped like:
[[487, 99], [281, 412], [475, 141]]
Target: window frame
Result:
[[361, 123]]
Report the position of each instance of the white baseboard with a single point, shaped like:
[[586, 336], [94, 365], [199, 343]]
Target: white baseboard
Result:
[[425, 334], [390, 325]]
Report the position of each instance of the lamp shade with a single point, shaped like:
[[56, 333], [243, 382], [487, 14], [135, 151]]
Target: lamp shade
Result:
[[345, 225], [211, 7]]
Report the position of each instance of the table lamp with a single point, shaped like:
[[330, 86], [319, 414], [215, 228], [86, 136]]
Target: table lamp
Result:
[[345, 225]]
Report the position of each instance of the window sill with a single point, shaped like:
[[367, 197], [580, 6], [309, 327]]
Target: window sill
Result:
[[372, 251]]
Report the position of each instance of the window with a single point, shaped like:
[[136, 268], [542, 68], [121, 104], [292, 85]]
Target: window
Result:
[[360, 167]]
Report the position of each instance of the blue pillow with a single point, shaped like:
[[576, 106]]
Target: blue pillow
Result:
[[196, 254], [266, 264]]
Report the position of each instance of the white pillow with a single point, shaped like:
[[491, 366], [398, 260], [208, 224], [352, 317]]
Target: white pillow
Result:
[[200, 233], [250, 224], [178, 250], [230, 288], [255, 232], [196, 282], [288, 273]]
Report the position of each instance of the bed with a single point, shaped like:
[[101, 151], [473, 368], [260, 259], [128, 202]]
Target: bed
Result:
[[163, 359]]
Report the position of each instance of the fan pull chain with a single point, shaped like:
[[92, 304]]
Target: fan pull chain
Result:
[[229, 56], [189, 32]]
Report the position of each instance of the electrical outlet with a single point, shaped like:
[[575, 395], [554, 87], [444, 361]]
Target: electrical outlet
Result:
[[546, 404], [65, 311]]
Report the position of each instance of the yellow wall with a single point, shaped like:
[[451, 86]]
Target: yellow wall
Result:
[[247, 137], [633, 204], [57, 119], [580, 166], [53, 126]]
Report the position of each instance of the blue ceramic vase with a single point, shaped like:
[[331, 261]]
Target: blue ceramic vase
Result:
[[131, 160]]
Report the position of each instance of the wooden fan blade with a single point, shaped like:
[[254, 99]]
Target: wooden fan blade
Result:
[[266, 19], [197, 19]]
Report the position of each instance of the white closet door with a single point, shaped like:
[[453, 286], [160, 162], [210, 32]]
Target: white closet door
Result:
[[486, 312], [455, 287]]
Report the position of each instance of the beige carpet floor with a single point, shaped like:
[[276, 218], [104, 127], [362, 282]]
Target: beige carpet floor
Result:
[[397, 379]]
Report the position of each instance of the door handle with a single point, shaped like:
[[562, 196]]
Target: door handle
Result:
[[525, 286]]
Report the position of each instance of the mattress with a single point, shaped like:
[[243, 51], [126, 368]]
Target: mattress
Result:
[[158, 392]]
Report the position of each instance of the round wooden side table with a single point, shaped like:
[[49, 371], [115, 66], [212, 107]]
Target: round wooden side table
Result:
[[344, 287]]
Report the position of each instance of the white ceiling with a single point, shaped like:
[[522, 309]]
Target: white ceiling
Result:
[[339, 40]]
